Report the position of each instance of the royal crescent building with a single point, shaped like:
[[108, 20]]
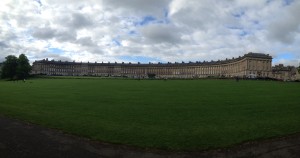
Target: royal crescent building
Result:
[[251, 65]]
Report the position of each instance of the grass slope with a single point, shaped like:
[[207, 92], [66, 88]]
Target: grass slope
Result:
[[173, 114]]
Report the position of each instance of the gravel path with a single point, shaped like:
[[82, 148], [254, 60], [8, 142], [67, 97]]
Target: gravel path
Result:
[[19, 139]]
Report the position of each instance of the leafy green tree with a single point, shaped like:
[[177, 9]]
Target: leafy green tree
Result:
[[23, 68], [16, 68], [0, 70], [9, 67], [151, 76]]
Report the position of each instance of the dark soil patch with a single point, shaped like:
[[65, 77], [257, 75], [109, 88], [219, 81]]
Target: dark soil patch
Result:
[[19, 139]]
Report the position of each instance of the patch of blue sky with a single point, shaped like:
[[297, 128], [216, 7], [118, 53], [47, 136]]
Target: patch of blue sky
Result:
[[285, 56], [288, 2], [166, 16], [238, 14], [153, 20], [269, 1], [256, 22], [146, 20], [166, 12], [132, 33], [39, 2], [257, 25], [141, 59], [160, 22], [29, 38], [116, 42], [234, 27], [55, 50], [243, 33]]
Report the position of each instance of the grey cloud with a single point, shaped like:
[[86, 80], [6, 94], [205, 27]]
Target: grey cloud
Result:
[[3, 45], [79, 20], [24, 20], [159, 33], [75, 21], [85, 41], [287, 27], [8, 35], [62, 35], [96, 50], [4, 51], [284, 32], [191, 19], [44, 33], [65, 35], [197, 15], [153, 7]]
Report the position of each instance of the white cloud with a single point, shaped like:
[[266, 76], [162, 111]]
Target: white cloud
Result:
[[286, 28], [176, 30]]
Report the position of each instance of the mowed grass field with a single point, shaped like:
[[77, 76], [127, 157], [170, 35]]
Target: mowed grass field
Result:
[[172, 114]]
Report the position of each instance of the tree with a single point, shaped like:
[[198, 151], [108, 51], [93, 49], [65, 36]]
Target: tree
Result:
[[9, 67], [151, 75], [0, 70], [16, 68], [23, 68]]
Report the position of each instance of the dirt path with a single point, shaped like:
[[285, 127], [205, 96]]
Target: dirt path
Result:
[[21, 140]]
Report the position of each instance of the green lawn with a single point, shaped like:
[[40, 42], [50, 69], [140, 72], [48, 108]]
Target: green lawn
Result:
[[173, 114]]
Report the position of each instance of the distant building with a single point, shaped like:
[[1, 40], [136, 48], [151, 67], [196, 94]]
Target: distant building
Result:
[[251, 65], [285, 73]]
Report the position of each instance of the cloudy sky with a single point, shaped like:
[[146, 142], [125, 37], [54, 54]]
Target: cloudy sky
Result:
[[150, 30]]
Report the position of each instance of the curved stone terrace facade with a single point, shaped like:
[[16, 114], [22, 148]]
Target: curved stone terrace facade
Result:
[[251, 65]]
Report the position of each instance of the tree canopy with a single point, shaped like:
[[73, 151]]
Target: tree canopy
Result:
[[23, 68], [16, 68], [151, 75]]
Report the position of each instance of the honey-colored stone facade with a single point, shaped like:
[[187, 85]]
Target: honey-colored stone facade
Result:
[[251, 65], [285, 73]]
